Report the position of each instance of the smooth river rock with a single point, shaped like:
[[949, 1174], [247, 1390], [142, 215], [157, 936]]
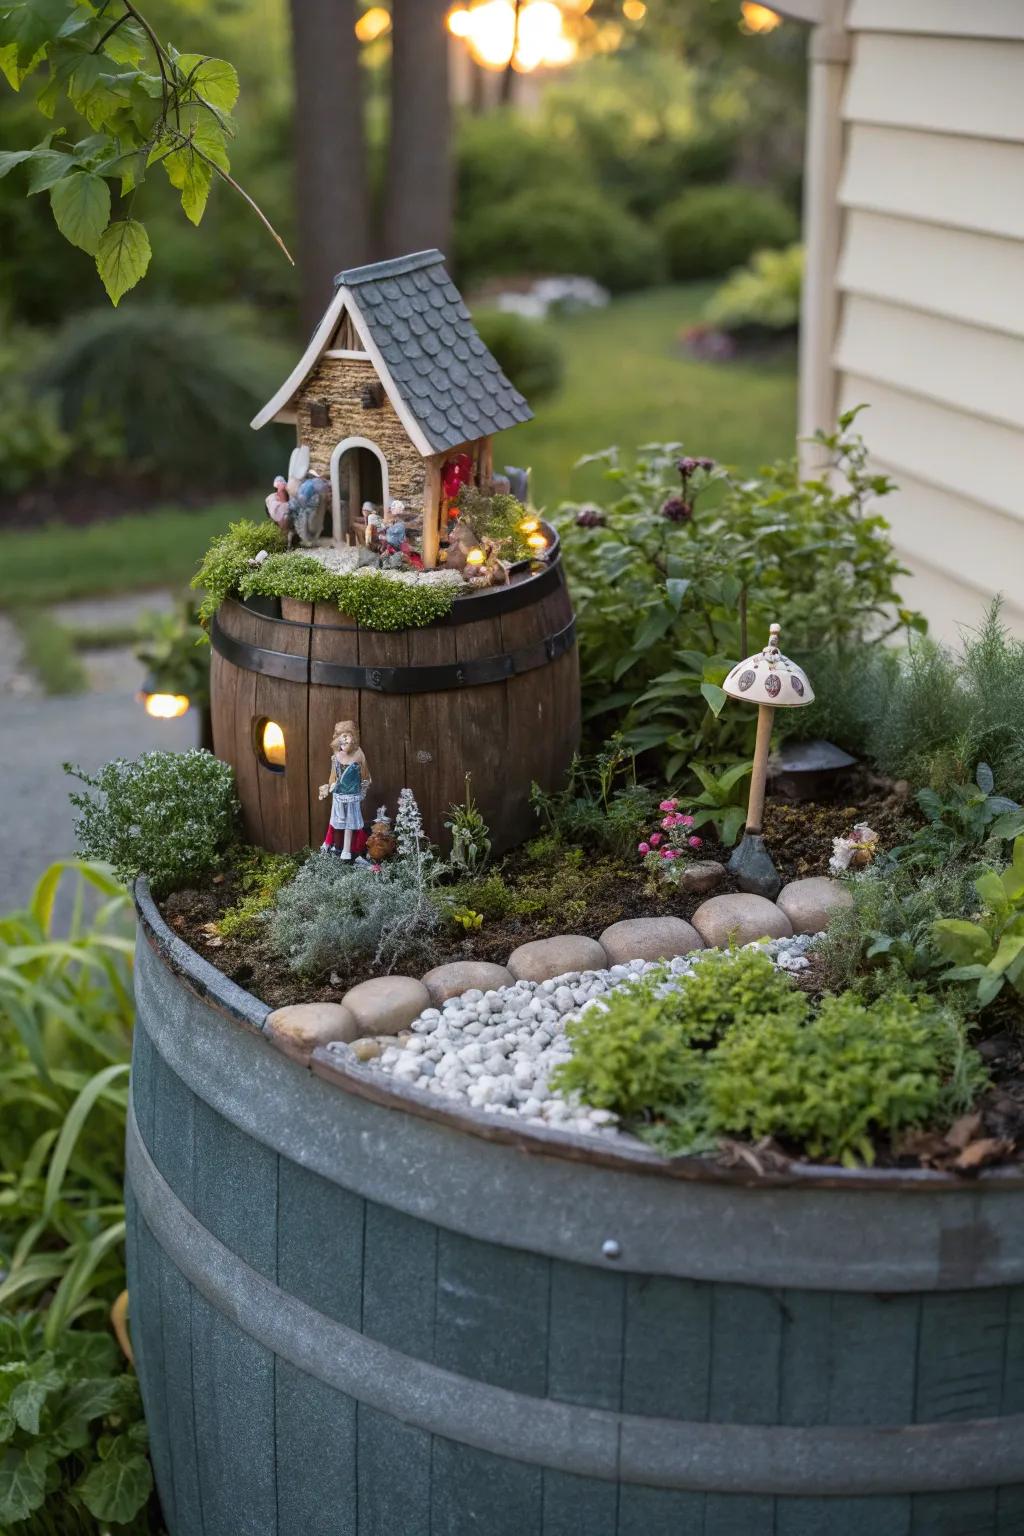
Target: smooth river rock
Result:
[[386, 1004], [810, 903], [701, 876], [649, 938], [451, 980], [544, 958], [301, 1027], [738, 918]]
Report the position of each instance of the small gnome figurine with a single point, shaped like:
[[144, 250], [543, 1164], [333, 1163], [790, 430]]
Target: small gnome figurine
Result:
[[381, 843]]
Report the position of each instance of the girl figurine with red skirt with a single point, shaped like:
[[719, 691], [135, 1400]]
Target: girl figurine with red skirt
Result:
[[347, 786]]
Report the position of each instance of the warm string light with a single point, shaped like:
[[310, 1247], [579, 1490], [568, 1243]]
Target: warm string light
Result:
[[475, 557], [490, 32], [634, 10], [537, 542], [757, 18], [165, 706], [273, 744], [372, 24], [529, 525]]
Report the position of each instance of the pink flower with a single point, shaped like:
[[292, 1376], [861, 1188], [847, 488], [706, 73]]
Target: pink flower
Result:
[[655, 839], [668, 853], [695, 842], [668, 805], [685, 821], [643, 847]]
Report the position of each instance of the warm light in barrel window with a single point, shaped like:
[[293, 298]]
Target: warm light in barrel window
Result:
[[273, 743]]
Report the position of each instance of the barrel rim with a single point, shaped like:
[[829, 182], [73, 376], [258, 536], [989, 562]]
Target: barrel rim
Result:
[[211, 986]]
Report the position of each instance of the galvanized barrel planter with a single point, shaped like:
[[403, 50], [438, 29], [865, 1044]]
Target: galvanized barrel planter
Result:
[[355, 1312], [495, 684]]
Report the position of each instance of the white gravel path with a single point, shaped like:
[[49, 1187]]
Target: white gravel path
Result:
[[496, 1050]]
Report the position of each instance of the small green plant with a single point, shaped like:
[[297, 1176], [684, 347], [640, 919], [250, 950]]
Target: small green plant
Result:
[[643, 1053], [73, 1435], [471, 840], [174, 653], [722, 802], [496, 519], [466, 918], [830, 1084], [989, 951], [962, 819], [261, 876], [601, 806], [168, 815]]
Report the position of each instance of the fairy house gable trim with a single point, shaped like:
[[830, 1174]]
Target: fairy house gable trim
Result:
[[414, 327]]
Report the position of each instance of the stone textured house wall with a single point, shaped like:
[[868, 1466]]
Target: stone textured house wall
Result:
[[340, 382]]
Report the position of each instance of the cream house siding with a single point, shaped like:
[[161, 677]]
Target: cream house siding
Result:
[[928, 299]]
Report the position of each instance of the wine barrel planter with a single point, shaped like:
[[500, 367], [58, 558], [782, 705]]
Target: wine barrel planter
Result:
[[355, 1311], [492, 690]]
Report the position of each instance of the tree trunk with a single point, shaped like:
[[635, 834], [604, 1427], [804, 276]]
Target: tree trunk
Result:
[[418, 201], [330, 153]]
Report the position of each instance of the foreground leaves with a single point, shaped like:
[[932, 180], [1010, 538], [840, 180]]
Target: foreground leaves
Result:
[[122, 257]]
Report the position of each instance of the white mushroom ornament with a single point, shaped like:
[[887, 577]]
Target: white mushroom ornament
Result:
[[771, 681]]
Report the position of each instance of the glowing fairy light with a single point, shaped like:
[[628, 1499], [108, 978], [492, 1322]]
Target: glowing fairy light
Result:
[[166, 706], [272, 743]]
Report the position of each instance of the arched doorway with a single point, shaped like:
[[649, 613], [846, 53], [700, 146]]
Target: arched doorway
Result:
[[359, 472]]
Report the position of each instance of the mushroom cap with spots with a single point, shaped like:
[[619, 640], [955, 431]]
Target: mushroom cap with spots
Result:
[[768, 677]]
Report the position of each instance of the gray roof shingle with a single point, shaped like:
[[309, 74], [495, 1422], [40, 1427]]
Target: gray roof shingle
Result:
[[440, 366]]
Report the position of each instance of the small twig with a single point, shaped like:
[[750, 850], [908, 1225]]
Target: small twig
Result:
[[111, 30], [224, 175]]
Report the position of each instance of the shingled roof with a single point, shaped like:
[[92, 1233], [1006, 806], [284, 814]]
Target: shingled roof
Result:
[[449, 388], [445, 374]]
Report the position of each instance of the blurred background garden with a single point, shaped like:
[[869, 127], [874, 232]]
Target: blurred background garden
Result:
[[640, 153]]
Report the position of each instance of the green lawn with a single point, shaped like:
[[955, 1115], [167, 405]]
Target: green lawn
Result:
[[627, 382]]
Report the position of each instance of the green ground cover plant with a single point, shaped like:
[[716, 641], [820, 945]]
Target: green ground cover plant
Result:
[[168, 815], [989, 950], [735, 1050], [371, 598]]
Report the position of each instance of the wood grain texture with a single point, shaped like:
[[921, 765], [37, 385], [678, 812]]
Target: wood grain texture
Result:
[[284, 807], [334, 639], [384, 720]]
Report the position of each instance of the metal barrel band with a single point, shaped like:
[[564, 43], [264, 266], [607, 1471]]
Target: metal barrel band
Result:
[[471, 673], [835, 1460]]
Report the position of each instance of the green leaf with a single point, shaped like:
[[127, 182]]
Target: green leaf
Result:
[[116, 1489], [984, 778], [1010, 946], [26, 1404], [1010, 824], [215, 80], [732, 776], [991, 890], [48, 167], [192, 177], [72, 1129], [9, 158], [122, 257], [81, 207], [676, 587], [963, 942], [716, 697], [28, 28], [22, 1482]]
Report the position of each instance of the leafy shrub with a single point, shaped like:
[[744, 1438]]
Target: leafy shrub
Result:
[[168, 815], [336, 913], [989, 951], [499, 155], [226, 562], [177, 386], [828, 1085], [75, 1438], [709, 230], [496, 519], [527, 352], [471, 839], [33, 445], [672, 589], [559, 228], [928, 714], [65, 1037], [762, 296], [961, 821], [644, 1051]]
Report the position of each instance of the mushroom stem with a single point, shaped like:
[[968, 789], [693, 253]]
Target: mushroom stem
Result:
[[755, 804]]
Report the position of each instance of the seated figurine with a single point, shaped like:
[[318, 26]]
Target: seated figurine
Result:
[[395, 535], [374, 524]]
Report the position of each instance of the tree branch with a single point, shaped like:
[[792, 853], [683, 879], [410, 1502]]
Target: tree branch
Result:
[[224, 175]]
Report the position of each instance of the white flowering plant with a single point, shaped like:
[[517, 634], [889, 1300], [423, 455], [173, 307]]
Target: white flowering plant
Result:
[[168, 815]]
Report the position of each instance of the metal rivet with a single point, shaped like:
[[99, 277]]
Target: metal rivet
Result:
[[611, 1249]]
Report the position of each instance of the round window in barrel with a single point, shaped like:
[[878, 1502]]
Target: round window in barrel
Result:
[[270, 745]]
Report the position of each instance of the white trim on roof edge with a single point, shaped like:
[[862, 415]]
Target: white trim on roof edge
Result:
[[343, 299]]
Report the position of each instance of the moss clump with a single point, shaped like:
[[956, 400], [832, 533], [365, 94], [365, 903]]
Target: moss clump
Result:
[[226, 562], [735, 1050], [261, 875]]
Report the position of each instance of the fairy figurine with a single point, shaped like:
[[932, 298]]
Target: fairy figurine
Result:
[[347, 786]]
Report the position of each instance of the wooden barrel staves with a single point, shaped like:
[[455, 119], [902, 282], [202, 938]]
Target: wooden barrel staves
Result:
[[493, 691], [354, 1310]]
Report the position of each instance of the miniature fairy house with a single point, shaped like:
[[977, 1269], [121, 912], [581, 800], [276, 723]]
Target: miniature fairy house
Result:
[[397, 397]]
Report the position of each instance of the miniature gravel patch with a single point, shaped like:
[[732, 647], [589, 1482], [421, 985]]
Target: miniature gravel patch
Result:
[[351, 559], [496, 1051]]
